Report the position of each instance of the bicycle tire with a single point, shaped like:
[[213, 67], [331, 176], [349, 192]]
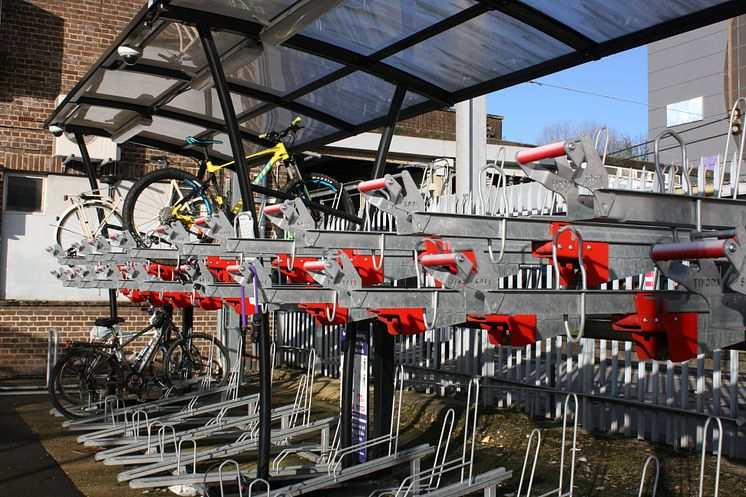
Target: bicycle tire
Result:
[[94, 362], [70, 228], [325, 190], [180, 375], [146, 206]]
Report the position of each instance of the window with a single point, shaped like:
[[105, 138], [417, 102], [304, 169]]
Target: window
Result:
[[23, 193], [687, 111]]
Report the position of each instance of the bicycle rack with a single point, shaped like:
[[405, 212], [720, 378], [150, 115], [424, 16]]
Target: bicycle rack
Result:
[[534, 433], [716, 483], [656, 461], [559, 491]]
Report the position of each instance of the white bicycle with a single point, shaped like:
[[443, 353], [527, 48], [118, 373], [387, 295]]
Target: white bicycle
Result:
[[92, 214]]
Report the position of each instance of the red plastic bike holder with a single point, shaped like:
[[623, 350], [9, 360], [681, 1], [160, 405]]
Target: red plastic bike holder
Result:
[[235, 304], [321, 311], [296, 274], [556, 149], [405, 321], [134, 296], [657, 334], [699, 249], [208, 303], [595, 257], [503, 329], [220, 268]]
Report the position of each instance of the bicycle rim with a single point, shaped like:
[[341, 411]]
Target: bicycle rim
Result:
[[198, 361], [87, 222]]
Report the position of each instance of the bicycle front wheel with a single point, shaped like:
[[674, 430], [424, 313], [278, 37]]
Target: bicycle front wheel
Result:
[[161, 197], [82, 380], [198, 360], [87, 222], [325, 190]]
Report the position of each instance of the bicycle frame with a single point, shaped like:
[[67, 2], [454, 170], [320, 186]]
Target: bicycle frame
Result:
[[79, 202]]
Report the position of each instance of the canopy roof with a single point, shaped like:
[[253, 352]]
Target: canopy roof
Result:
[[337, 63]]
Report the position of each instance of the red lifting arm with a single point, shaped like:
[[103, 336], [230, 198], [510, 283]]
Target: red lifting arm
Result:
[[273, 209], [556, 149], [314, 266], [701, 249], [435, 260], [374, 184]]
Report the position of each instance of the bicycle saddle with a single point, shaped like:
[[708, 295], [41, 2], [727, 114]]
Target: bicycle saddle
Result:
[[196, 141], [109, 179], [108, 322]]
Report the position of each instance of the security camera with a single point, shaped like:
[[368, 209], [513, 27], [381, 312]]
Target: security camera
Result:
[[129, 55], [56, 130]]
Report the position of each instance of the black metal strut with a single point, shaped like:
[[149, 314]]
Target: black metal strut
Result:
[[244, 184]]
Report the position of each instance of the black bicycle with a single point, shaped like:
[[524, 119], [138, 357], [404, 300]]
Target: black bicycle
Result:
[[92, 374]]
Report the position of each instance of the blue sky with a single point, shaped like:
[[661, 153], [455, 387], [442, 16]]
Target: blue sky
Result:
[[529, 107]]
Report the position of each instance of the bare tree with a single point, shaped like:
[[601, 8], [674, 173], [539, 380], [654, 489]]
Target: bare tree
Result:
[[620, 144]]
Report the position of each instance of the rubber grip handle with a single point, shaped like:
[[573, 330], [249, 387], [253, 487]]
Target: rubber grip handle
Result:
[[273, 209], [160, 229], [435, 260], [548, 151], [234, 268], [701, 249], [372, 185], [200, 221], [314, 266]]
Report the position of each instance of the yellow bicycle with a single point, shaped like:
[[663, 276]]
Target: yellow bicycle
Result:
[[173, 195]]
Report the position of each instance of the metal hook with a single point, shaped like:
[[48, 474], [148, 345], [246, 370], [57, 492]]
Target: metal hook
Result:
[[291, 257], [379, 266], [583, 277], [431, 325], [739, 152], [657, 164], [606, 144], [334, 309]]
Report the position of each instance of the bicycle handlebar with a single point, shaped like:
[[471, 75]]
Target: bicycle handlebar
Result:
[[277, 136]]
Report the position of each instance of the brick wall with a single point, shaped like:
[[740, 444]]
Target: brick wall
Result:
[[24, 328], [441, 124]]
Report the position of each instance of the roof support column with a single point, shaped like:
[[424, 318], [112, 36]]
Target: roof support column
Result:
[[388, 131], [471, 144], [244, 184], [91, 173]]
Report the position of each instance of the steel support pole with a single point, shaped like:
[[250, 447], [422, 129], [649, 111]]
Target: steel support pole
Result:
[[379, 165], [244, 184], [348, 378], [187, 319], [91, 173], [471, 144], [383, 378]]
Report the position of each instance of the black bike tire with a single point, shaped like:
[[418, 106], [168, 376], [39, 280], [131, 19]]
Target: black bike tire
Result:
[[178, 343], [54, 379], [346, 204], [92, 204], [130, 201]]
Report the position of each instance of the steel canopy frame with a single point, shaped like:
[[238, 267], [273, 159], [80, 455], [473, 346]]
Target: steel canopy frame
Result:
[[151, 22]]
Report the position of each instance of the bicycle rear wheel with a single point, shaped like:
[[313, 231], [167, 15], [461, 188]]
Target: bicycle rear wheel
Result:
[[198, 360], [82, 380], [87, 222], [324, 190], [161, 197]]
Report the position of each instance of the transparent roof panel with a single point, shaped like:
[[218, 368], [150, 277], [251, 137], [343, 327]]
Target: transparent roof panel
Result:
[[280, 70], [113, 118], [464, 56], [279, 118], [142, 88], [366, 26], [248, 10], [602, 20], [178, 130], [206, 103], [179, 46], [363, 97]]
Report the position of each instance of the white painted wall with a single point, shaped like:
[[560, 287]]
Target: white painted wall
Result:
[[24, 263]]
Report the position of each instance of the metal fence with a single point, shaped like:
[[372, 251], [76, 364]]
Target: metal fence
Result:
[[656, 401]]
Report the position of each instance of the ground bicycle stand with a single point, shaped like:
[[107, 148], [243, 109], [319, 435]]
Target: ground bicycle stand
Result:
[[460, 264]]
